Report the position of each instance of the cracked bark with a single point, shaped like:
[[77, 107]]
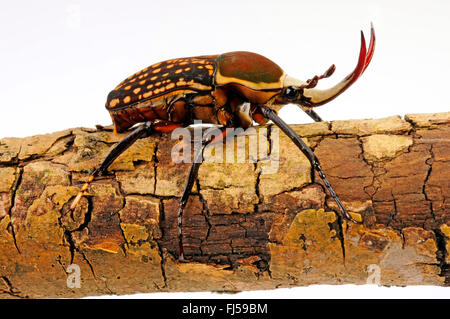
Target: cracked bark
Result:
[[243, 229]]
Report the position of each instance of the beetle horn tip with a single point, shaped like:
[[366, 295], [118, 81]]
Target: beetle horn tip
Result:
[[363, 42], [371, 47]]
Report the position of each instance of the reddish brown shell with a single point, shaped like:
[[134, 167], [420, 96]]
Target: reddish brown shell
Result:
[[193, 74]]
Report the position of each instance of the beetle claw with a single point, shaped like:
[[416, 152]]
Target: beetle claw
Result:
[[349, 217]]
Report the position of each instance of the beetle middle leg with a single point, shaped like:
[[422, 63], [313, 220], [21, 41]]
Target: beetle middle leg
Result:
[[193, 172]]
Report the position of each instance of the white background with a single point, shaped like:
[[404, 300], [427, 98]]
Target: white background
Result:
[[59, 60]]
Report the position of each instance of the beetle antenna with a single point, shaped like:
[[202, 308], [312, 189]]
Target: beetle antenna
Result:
[[312, 83]]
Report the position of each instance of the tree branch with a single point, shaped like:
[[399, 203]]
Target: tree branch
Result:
[[247, 226]]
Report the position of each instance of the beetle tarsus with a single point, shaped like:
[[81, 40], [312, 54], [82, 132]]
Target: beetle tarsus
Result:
[[333, 194], [180, 222]]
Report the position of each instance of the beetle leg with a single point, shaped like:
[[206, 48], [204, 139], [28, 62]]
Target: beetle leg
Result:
[[112, 155], [270, 114], [311, 83], [312, 114], [120, 147], [193, 172]]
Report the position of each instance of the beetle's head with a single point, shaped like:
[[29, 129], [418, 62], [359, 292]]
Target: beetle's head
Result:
[[306, 95]]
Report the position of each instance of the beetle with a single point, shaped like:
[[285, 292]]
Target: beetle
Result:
[[233, 89]]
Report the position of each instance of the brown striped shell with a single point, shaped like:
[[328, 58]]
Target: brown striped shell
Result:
[[192, 74]]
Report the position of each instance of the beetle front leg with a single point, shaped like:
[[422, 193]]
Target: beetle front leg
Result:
[[270, 114]]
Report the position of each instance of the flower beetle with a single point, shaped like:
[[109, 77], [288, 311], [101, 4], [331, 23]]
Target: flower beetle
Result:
[[233, 89]]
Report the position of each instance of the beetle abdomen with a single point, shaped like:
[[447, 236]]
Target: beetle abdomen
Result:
[[194, 73]]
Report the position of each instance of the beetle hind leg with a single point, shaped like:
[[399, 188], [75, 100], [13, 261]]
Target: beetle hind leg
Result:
[[120, 147]]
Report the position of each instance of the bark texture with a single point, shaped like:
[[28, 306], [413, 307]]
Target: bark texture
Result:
[[243, 229]]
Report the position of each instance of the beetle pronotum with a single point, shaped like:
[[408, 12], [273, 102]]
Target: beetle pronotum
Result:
[[217, 89]]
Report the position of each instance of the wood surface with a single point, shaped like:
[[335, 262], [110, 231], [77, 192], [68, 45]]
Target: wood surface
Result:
[[243, 229]]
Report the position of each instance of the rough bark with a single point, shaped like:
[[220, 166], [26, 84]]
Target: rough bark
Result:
[[243, 230]]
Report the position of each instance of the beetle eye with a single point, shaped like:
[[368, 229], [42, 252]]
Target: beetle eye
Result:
[[291, 92]]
